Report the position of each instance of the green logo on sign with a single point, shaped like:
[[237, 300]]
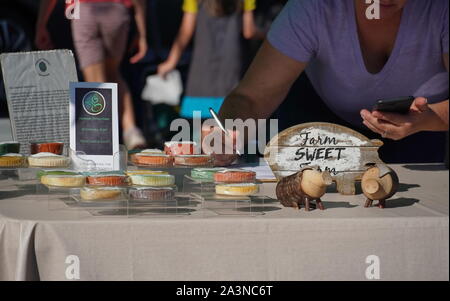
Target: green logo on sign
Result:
[[94, 103], [42, 67]]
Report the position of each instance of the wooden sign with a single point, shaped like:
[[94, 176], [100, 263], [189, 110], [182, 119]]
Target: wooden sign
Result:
[[343, 152]]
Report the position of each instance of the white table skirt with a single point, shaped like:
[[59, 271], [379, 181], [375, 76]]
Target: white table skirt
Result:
[[410, 238]]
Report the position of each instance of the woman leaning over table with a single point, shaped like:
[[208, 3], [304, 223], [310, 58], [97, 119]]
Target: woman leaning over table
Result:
[[352, 61]]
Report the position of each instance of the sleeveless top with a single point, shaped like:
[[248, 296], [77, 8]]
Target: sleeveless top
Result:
[[216, 65]]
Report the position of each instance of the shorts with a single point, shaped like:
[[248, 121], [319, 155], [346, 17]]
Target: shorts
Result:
[[101, 32]]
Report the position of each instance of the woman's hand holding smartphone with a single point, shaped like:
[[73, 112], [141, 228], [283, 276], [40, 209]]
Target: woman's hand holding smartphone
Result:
[[393, 119]]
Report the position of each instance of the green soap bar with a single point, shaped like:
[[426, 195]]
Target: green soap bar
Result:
[[9, 148], [42, 173], [205, 173]]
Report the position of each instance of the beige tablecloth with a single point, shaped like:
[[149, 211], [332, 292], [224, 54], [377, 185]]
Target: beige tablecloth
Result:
[[410, 238]]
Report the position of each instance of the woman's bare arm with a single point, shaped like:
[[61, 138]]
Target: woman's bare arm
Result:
[[438, 120], [441, 109], [422, 117], [182, 40], [140, 16], [264, 87], [249, 28], [43, 40]]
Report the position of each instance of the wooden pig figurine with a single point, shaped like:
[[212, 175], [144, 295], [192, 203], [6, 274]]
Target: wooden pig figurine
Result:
[[303, 187], [379, 183]]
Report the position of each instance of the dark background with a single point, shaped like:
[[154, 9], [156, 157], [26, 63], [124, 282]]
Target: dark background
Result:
[[17, 26], [17, 30]]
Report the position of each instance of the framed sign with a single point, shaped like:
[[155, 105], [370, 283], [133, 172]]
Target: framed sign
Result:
[[94, 124], [344, 152]]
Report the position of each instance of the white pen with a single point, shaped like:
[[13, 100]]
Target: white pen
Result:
[[216, 118]]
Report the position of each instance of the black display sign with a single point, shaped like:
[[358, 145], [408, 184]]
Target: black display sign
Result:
[[93, 117]]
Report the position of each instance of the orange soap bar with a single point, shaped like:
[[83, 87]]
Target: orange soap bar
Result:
[[152, 159], [193, 160], [235, 176], [46, 147], [107, 180]]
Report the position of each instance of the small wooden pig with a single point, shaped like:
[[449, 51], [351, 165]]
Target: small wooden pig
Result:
[[303, 187], [379, 183]]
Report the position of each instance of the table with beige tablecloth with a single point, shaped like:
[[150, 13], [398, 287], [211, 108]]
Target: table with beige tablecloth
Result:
[[39, 237]]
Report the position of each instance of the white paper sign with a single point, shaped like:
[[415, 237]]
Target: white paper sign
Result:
[[37, 91]]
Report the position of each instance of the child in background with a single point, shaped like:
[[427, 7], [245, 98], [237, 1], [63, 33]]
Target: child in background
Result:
[[100, 37], [217, 60]]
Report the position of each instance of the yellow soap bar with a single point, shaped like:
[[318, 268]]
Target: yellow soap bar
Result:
[[145, 172], [63, 181], [93, 194], [240, 189], [11, 160]]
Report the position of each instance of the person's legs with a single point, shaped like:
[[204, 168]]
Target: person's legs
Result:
[[114, 28], [95, 73], [100, 38], [112, 66], [132, 135]]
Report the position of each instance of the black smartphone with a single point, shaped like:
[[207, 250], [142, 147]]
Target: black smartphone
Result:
[[399, 105]]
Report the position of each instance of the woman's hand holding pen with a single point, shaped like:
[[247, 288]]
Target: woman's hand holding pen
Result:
[[224, 153]]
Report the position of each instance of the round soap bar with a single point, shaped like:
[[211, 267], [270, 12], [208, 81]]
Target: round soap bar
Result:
[[9, 147], [238, 189], [152, 151], [47, 147], [176, 148], [107, 180], [12, 160], [152, 159], [100, 194], [48, 160], [145, 172], [192, 160], [205, 173], [42, 173], [153, 180], [152, 194], [235, 176], [63, 181]]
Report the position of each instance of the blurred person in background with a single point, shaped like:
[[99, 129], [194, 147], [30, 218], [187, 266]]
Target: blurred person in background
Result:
[[100, 36], [218, 28]]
